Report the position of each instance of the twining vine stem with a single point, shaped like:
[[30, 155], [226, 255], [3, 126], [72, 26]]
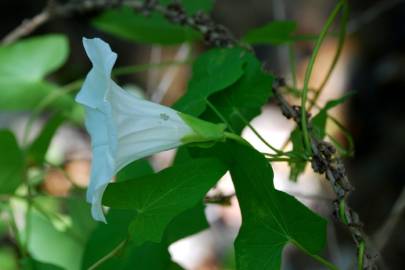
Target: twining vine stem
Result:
[[308, 72], [325, 161]]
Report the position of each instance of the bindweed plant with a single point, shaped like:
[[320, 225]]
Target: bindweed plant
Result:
[[143, 212]]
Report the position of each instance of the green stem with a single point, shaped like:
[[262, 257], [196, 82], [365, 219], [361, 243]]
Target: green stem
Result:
[[258, 134], [308, 73], [283, 154], [263, 140], [278, 159], [109, 255], [219, 114], [235, 137], [327, 263], [318, 258], [342, 212], [283, 157], [341, 41], [360, 256]]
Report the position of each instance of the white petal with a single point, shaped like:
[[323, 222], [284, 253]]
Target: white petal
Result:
[[98, 81], [143, 127], [102, 170], [96, 208]]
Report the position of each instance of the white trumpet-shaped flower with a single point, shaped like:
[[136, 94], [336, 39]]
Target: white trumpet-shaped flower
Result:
[[124, 127]]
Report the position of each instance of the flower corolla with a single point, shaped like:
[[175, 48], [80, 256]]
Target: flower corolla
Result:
[[124, 127]]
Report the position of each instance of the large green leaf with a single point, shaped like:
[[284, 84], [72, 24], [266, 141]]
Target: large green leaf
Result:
[[107, 236], [213, 71], [23, 67], [242, 101], [154, 28], [32, 59], [158, 198], [11, 163], [270, 218], [232, 81], [277, 32], [130, 25], [52, 245], [188, 222]]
